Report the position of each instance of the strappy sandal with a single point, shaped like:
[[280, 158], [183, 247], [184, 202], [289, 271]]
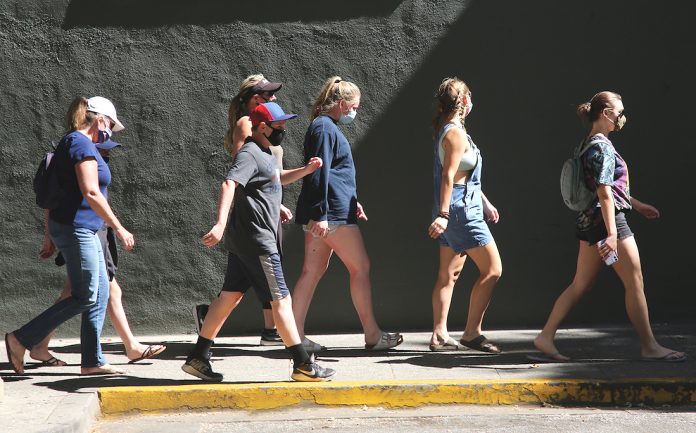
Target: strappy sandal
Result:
[[386, 341], [52, 362], [150, 352], [481, 344]]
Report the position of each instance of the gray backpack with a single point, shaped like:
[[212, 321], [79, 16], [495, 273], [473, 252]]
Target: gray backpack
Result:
[[576, 195]]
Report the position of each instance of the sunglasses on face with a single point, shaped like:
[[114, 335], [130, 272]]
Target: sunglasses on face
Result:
[[619, 114], [266, 96]]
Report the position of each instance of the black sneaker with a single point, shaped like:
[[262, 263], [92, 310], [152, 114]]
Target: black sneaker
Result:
[[310, 371], [270, 337], [199, 312], [201, 369]]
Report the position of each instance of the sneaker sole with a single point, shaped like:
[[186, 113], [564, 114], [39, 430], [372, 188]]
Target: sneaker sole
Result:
[[271, 343], [301, 377], [193, 372]]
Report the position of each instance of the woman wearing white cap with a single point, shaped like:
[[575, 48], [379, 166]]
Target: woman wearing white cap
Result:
[[72, 226]]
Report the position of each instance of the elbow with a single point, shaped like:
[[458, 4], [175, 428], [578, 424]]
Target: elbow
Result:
[[91, 195]]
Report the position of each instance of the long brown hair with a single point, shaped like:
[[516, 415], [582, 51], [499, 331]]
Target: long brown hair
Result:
[[448, 100], [334, 89], [238, 107], [77, 116], [590, 111]]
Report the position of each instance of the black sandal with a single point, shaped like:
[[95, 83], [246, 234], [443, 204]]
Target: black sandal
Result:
[[481, 344]]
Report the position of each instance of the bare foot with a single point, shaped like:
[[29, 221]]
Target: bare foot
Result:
[[142, 351], [435, 338], [44, 356], [102, 370], [660, 353], [547, 347], [15, 353]]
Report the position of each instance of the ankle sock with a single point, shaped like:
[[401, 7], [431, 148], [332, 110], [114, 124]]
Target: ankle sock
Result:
[[299, 354], [202, 348]]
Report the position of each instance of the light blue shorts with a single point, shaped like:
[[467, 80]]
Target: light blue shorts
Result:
[[466, 228]]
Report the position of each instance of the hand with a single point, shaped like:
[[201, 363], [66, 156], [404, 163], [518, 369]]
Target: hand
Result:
[[648, 211], [490, 212], [319, 229], [361, 212], [214, 236], [285, 214], [47, 248], [314, 163], [438, 227], [126, 237], [610, 244]]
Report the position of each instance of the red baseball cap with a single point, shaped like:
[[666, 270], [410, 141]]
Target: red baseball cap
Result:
[[269, 112]]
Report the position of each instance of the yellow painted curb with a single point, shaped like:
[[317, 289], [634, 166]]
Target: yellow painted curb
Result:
[[398, 393]]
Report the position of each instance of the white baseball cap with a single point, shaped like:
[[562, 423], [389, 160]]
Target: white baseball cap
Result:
[[101, 105]]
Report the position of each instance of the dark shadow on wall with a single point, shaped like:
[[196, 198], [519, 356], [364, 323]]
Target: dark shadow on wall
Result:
[[156, 13], [527, 76]]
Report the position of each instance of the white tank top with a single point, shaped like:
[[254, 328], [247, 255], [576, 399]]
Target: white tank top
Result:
[[469, 158]]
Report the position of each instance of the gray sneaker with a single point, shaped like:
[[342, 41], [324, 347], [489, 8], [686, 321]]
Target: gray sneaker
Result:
[[312, 347], [310, 371]]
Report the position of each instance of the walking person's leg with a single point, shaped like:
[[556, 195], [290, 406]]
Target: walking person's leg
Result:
[[40, 352], [629, 270], [134, 349], [348, 244], [93, 360], [269, 335], [266, 274], [80, 250], [449, 269], [316, 260], [589, 263], [233, 288], [487, 260]]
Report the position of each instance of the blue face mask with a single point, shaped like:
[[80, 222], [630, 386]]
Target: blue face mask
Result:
[[347, 118], [103, 135]]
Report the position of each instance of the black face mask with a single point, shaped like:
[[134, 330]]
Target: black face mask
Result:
[[276, 136]]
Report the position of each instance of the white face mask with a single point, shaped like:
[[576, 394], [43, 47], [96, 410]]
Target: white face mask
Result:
[[347, 118], [469, 106]]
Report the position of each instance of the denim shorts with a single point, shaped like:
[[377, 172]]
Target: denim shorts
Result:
[[263, 273], [332, 228], [598, 231], [466, 228]]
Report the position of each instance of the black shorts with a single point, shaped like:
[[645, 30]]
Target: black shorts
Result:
[[108, 244], [263, 273], [598, 231]]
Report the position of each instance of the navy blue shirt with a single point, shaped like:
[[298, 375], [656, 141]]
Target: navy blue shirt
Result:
[[74, 209], [328, 194]]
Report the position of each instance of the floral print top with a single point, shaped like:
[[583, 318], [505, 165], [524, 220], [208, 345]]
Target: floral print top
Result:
[[603, 165]]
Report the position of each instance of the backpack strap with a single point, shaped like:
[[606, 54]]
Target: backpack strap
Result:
[[579, 150]]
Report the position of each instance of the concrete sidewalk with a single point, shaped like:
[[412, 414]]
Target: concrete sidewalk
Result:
[[606, 371]]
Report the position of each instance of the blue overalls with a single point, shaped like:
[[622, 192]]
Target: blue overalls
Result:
[[466, 228]]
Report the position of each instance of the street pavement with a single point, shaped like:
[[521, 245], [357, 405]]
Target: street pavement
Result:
[[605, 371]]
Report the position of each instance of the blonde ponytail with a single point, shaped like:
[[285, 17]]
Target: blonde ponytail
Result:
[[78, 117], [334, 89]]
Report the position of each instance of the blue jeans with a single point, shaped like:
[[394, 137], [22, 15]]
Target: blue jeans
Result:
[[84, 261]]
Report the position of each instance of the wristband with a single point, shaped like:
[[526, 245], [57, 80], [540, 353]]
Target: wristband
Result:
[[444, 215]]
